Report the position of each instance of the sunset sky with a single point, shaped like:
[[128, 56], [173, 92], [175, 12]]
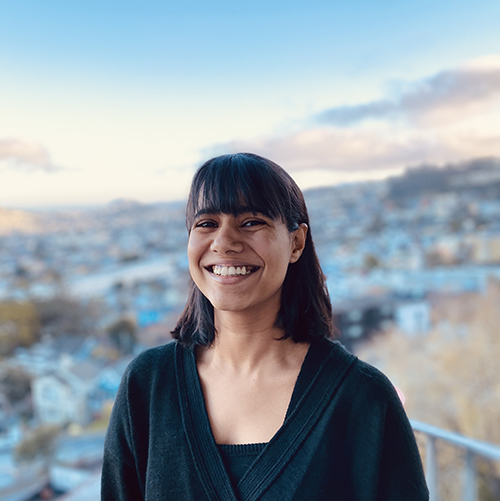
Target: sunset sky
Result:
[[104, 99]]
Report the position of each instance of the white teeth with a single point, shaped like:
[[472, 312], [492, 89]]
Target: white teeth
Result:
[[230, 271]]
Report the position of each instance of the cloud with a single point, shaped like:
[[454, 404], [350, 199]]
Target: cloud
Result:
[[359, 150], [449, 117], [440, 98], [26, 156], [342, 150]]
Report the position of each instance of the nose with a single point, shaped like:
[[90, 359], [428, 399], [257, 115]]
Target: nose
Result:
[[227, 239]]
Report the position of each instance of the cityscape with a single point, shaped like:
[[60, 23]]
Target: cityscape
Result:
[[387, 117], [82, 291]]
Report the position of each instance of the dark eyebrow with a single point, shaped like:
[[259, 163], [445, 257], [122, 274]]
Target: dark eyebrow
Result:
[[242, 209], [201, 212]]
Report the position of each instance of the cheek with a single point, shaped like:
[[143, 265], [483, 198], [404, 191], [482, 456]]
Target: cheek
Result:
[[280, 251], [196, 274], [193, 255], [194, 246], [190, 253]]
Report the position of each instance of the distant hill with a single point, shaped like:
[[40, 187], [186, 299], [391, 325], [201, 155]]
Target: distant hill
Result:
[[12, 220], [480, 174]]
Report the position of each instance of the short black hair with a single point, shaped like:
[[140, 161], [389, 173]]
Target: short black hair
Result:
[[227, 184]]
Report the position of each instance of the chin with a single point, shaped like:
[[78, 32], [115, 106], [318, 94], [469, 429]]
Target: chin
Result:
[[228, 306]]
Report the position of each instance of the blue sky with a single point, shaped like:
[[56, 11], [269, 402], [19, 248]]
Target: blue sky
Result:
[[103, 100]]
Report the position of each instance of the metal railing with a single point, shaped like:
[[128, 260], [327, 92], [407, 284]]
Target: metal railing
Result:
[[473, 448]]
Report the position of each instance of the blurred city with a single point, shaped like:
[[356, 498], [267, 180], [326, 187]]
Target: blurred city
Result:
[[413, 270], [386, 114]]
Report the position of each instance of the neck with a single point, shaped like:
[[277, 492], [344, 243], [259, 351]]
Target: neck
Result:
[[248, 342]]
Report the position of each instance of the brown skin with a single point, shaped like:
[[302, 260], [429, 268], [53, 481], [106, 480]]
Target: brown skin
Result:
[[247, 375]]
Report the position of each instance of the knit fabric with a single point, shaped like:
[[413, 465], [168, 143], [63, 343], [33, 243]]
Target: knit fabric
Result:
[[238, 458], [345, 437]]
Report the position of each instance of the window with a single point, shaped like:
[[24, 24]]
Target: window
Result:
[[50, 393]]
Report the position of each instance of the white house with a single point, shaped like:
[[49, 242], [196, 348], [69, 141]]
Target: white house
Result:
[[62, 395], [76, 392], [413, 317]]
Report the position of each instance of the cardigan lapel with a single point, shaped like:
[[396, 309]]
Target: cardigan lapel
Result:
[[197, 429], [324, 368]]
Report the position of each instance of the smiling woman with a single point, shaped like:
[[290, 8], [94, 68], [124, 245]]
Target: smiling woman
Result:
[[239, 263], [253, 206], [253, 401]]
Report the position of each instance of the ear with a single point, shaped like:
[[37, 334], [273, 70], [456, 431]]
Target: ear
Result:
[[298, 242]]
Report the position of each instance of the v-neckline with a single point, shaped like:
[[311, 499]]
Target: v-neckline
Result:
[[201, 440], [291, 403]]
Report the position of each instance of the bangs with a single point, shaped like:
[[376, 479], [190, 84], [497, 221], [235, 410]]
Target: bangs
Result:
[[233, 184]]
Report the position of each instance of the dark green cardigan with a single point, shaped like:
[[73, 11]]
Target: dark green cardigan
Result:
[[345, 437]]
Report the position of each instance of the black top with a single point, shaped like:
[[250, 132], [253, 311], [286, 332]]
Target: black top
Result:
[[238, 458], [346, 437]]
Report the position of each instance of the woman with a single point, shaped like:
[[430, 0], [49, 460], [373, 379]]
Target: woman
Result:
[[253, 401]]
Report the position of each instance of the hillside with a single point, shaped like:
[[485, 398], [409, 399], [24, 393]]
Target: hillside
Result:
[[18, 221]]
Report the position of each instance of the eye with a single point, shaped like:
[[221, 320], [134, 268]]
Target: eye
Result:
[[253, 222], [205, 224]]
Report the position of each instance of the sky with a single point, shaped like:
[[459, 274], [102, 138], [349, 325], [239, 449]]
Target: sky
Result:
[[101, 100]]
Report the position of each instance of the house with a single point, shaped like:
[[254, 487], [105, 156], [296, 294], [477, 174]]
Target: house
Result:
[[359, 318], [62, 395], [413, 317], [76, 392]]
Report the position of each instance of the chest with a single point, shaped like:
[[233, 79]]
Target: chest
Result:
[[245, 410], [191, 464]]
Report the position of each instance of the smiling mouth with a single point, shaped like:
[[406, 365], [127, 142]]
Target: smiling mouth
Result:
[[232, 271]]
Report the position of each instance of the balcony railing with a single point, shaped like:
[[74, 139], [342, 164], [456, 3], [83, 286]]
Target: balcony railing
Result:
[[473, 449]]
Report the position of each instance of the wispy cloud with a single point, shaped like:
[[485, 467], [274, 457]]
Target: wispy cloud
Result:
[[448, 117], [26, 156], [343, 150], [442, 97]]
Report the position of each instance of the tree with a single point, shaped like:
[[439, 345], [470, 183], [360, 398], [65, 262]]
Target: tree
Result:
[[450, 376], [64, 315], [40, 443], [123, 334], [15, 384], [370, 262], [18, 325]]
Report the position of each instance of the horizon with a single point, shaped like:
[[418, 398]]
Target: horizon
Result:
[[458, 166], [123, 100]]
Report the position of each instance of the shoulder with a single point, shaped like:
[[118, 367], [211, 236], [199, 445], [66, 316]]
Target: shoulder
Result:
[[153, 364], [376, 383], [362, 380], [372, 376], [149, 380], [153, 356]]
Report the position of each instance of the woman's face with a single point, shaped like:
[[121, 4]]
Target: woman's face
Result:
[[239, 262]]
